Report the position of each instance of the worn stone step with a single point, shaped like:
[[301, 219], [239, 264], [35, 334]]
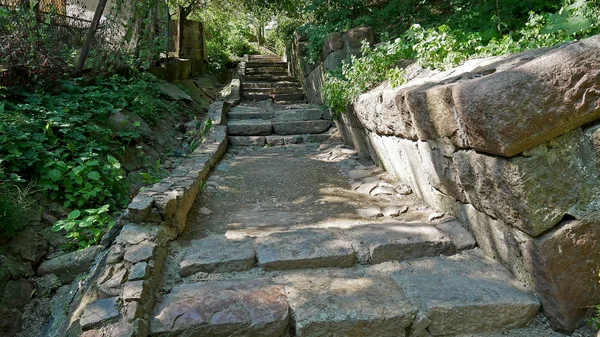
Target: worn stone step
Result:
[[301, 127], [264, 57], [268, 85], [269, 74], [304, 248], [268, 78], [250, 114], [246, 308], [464, 294], [347, 303], [272, 91], [267, 70], [400, 241], [277, 115], [289, 97], [266, 63], [252, 127], [217, 254], [277, 140], [252, 96]]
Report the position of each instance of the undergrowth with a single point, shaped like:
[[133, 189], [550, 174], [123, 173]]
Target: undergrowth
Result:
[[60, 139], [442, 47]]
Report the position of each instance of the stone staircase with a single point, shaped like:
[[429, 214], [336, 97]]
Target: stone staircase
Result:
[[274, 112], [267, 77], [316, 241]]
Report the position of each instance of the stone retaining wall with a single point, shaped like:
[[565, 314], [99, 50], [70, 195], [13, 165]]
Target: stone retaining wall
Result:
[[510, 146], [117, 297]]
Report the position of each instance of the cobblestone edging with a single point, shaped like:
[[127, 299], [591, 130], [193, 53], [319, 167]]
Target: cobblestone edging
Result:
[[119, 294]]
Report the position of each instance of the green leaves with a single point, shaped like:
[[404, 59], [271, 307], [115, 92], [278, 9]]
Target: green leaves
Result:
[[93, 175]]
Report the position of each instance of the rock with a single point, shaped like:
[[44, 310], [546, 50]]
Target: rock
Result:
[[68, 266], [366, 188], [142, 252], [10, 268], [370, 212], [110, 283], [48, 219], [564, 263], [139, 271], [29, 245], [46, 285], [394, 211], [217, 254], [531, 193], [251, 308], [383, 191], [135, 291], [403, 189], [333, 42], [35, 317], [140, 207], [354, 37], [340, 303], [204, 211], [134, 311], [304, 248], [135, 234], [359, 174], [465, 294], [10, 321], [115, 254], [435, 216], [17, 293], [400, 242], [461, 237], [99, 312], [172, 91], [554, 105]]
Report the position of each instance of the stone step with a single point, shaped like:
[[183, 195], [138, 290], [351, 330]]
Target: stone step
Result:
[[260, 141], [266, 63], [289, 97], [437, 296], [277, 115], [248, 308], [347, 303], [251, 127], [264, 57], [269, 85], [267, 70], [268, 78], [464, 294], [276, 90], [268, 74], [300, 127], [252, 96]]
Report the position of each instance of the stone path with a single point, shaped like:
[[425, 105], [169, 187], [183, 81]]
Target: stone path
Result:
[[311, 239], [292, 240]]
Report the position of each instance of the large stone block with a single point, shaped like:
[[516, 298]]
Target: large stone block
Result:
[[333, 42], [534, 191], [353, 38], [248, 308], [340, 303], [548, 96], [565, 264], [465, 294]]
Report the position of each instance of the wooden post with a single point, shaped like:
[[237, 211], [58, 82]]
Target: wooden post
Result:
[[90, 36]]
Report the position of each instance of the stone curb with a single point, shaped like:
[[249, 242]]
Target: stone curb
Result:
[[120, 298]]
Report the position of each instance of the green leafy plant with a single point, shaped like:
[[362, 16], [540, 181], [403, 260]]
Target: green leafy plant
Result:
[[86, 228], [86, 181], [154, 176]]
